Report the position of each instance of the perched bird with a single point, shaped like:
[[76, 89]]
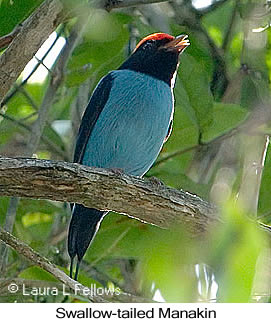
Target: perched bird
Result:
[[127, 120]]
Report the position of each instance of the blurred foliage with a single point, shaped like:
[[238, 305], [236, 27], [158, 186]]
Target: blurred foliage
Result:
[[15, 12], [142, 259]]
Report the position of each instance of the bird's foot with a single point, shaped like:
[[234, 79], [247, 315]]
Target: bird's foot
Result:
[[156, 181], [109, 4], [117, 171]]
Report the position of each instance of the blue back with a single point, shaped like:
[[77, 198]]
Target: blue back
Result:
[[133, 124]]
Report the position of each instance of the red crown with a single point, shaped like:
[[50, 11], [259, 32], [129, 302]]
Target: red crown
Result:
[[156, 36]]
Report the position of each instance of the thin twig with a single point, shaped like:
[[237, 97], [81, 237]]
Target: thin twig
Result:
[[249, 126], [22, 249], [111, 248], [49, 96], [185, 14], [114, 4], [230, 26], [19, 86], [177, 153], [222, 137], [39, 124], [215, 4], [41, 23], [8, 226], [27, 96], [54, 148], [254, 159]]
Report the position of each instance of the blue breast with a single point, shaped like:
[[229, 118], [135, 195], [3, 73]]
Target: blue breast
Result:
[[133, 124]]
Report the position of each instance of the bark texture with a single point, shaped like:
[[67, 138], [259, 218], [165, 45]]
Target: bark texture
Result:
[[34, 31], [144, 200]]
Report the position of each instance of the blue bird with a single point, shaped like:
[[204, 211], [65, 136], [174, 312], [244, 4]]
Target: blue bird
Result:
[[127, 120]]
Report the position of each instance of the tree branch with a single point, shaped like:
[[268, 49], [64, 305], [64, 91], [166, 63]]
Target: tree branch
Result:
[[20, 87], [79, 289], [35, 30], [38, 127], [7, 39], [102, 189], [112, 4], [216, 4]]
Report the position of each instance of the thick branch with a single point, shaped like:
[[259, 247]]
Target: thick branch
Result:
[[38, 127], [35, 30], [103, 189], [7, 39]]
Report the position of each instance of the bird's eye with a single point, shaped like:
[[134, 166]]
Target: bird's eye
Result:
[[149, 43]]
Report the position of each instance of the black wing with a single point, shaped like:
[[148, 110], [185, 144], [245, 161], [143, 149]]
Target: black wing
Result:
[[91, 115]]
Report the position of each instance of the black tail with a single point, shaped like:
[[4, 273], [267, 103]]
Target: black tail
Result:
[[84, 224]]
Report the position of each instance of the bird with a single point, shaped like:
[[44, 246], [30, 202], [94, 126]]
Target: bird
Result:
[[125, 124]]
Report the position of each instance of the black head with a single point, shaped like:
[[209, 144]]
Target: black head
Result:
[[157, 55]]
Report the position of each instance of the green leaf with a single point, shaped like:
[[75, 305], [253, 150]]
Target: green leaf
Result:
[[166, 264], [14, 12], [30, 219], [194, 80], [235, 249], [100, 47], [217, 21], [225, 118], [264, 197], [116, 238], [37, 273]]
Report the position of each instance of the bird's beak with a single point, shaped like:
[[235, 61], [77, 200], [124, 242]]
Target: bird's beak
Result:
[[178, 44]]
